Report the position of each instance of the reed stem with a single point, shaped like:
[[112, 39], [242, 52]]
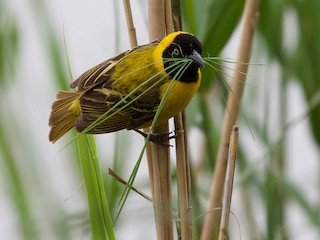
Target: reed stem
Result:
[[211, 223], [130, 25], [227, 195], [161, 173], [183, 178]]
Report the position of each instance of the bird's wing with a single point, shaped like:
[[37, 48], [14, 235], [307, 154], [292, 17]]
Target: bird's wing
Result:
[[97, 74], [112, 112], [98, 98], [103, 71]]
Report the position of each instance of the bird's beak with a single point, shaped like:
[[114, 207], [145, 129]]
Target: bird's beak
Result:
[[196, 58]]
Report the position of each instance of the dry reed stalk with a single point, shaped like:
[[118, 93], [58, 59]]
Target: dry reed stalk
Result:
[[168, 17], [122, 181], [134, 43], [162, 190], [130, 25], [176, 14], [183, 178], [211, 223], [227, 194], [160, 153], [186, 151], [150, 162], [182, 160]]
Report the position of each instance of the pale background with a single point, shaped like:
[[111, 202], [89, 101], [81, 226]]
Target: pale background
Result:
[[89, 28]]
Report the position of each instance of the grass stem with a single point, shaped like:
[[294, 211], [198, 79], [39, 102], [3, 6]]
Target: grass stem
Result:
[[130, 25], [228, 186], [160, 154], [211, 223]]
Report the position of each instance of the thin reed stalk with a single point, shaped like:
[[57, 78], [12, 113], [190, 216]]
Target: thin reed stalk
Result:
[[134, 43], [130, 24], [182, 157], [227, 195], [160, 153], [168, 17], [183, 178], [211, 223]]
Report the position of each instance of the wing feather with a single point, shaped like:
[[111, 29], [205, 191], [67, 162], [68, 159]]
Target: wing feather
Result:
[[103, 71], [95, 103], [99, 94]]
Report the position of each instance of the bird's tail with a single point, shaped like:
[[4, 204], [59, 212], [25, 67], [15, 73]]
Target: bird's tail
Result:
[[64, 112]]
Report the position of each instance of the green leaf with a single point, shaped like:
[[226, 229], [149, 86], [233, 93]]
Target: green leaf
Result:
[[189, 15], [223, 18], [58, 61], [270, 26], [100, 218], [17, 188], [9, 46], [307, 56]]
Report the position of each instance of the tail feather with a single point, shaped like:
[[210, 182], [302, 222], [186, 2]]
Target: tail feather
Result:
[[64, 112]]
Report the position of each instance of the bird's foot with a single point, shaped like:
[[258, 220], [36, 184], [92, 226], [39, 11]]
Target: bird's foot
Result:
[[160, 138]]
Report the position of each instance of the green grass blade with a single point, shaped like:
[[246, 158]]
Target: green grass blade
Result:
[[18, 190], [224, 18], [100, 217], [188, 8], [125, 194]]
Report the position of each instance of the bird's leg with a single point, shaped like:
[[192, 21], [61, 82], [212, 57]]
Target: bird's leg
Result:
[[160, 138]]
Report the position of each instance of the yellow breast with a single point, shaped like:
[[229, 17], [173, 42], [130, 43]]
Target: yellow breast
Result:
[[180, 93], [177, 98], [147, 63]]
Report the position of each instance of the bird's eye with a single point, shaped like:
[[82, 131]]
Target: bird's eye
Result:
[[176, 52]]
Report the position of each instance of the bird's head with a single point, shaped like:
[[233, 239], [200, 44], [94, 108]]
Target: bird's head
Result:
[[178, 47]]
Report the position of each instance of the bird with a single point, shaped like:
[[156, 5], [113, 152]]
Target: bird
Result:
[[126, 91]]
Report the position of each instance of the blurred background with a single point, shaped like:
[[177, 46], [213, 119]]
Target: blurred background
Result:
[[277, 185]]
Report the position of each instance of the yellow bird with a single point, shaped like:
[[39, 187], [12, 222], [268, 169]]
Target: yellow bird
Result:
[[125, 92]]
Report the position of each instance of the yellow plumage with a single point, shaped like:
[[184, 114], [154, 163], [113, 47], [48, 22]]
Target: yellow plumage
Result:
[[130, 87]]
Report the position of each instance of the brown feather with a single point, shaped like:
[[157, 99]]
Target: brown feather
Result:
[[97, 93], [61, 118]]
